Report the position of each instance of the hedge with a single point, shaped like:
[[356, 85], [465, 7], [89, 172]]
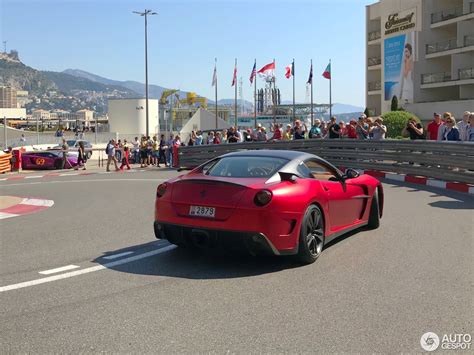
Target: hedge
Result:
[[395, 121]]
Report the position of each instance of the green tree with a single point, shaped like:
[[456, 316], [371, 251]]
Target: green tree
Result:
[[396, 121], [394, 106], [366, 112]]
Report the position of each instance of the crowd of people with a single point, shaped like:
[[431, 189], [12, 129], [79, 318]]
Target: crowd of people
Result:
[[154, 151]]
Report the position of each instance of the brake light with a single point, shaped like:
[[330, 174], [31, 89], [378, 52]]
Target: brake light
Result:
[[161, 189], [262, 198]]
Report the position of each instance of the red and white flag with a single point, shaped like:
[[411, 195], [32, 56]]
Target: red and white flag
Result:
[[234, 79], [268, 71], [289, 70]]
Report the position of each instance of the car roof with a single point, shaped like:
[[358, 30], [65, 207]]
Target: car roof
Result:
[[286, 154]]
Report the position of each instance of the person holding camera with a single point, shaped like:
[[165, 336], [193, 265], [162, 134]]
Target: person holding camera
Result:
[[413, 129]]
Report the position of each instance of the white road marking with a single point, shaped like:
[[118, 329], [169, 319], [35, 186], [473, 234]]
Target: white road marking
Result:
[[115, 256], [68, 174], [80, 181], [59, 269], [33, 177], [85, 271], [37, 202], [396, 177], [3, 179], [436, 183], [4, 215]]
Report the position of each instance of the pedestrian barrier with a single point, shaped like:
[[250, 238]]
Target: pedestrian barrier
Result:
[[5, 163], [448, 161]]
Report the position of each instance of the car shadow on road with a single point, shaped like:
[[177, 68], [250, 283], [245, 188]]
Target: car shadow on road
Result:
[[192, 263]]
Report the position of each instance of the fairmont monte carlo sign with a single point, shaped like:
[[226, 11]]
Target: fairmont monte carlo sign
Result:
[[400, 22]]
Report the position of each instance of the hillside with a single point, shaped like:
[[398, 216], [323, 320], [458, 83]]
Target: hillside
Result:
[[154, 91], [22, 77], [69, 84]]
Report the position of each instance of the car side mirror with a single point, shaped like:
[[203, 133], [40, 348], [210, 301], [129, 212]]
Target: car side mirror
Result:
[[351, 174]]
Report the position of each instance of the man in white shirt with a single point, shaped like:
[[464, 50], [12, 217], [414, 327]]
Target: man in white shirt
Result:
[[463, 125], [111, 155]]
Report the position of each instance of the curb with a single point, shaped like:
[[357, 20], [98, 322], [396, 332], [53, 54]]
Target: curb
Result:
[[26, 206], [421, 180], [56, 174]]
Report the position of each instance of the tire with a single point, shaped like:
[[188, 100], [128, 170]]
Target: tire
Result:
[[311, 239], [374, 216]]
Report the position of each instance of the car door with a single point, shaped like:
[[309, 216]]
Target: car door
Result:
[[345, 199]]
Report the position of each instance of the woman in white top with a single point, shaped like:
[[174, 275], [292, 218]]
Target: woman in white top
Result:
[[406, 94]]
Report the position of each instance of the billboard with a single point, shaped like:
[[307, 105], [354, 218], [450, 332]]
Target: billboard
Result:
[[398, 67]]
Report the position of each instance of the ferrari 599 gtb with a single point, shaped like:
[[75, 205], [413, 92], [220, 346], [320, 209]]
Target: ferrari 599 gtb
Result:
[[276, 201]]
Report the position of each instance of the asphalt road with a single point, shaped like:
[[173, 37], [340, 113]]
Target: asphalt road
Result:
[[372, 291]]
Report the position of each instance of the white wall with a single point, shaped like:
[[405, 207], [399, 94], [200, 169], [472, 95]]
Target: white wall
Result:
[[125, 118], [425, 110], [12, 113]]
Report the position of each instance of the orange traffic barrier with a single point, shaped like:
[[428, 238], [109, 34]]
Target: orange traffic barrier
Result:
[[5, 165]]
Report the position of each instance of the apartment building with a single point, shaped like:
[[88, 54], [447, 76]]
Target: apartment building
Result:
[[421, 51], [7, 97]]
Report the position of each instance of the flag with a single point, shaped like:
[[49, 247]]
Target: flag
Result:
[[214, 77], [254, 72], [268, 71], [310, 79], [234, 79], [290, 70], [327, 72]]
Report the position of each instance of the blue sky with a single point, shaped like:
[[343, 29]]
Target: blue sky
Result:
[[105, 38]]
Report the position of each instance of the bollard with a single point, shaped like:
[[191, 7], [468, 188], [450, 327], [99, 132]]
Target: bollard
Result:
[[175, 156], [16, 160]]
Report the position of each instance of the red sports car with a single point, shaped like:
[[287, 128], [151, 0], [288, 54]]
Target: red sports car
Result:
[[282, 202]]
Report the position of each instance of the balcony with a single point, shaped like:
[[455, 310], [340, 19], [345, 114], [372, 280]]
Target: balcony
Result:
[[469, 39], [374, 35], [433, 78], [373, 62], [445, 15], [451, 16], [466, 73], [450, 46], [374, 86], [441, 46]]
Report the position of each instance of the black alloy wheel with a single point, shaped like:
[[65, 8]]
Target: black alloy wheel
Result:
[[311, 235]]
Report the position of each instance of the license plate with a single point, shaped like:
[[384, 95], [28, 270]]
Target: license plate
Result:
[[202, 211]]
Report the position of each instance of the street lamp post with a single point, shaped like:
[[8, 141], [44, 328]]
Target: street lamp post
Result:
[[145, 14]]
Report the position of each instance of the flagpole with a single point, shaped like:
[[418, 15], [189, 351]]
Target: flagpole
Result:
[[312, 114], [235, 99], [330, 98], [216, 91], [293, 74], [255, 96], [274, 94]]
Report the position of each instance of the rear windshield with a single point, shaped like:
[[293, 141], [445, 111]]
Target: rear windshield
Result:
[[246, 167]]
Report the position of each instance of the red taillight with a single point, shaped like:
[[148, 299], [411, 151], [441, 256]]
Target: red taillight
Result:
[[161, 189], [262, 197]]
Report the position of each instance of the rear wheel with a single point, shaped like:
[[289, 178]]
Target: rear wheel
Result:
[[374, 216], [311, 240]]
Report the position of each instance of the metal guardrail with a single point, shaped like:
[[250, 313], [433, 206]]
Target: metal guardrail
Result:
[[374, 86], [441, 46], [466, 73], [432, 78], [374, 35], [445, 15], [448, 161], [374, 61]]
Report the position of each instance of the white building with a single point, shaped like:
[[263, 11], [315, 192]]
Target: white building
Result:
[[421, 51], [128, 116]]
